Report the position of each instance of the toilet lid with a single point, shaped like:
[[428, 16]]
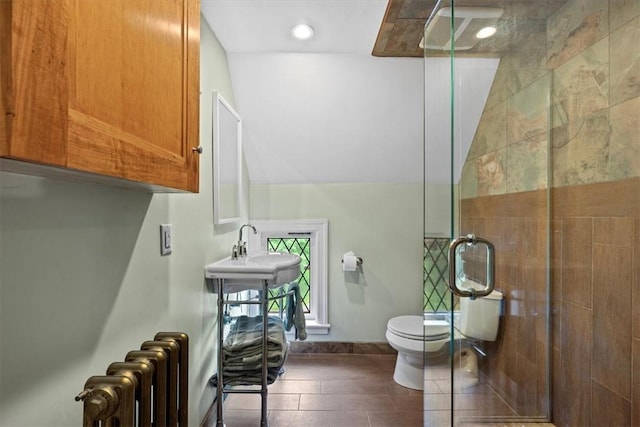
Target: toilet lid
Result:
[[414, 327]]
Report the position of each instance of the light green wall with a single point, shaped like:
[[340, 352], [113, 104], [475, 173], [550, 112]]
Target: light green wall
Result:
[[382, 223], [438, 210], [82, 281]]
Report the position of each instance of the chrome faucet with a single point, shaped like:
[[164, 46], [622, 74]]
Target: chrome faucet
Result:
[[240, 249]]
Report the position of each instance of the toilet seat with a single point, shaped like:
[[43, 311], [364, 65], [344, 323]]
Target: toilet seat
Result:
[[415, 328], [432, 340]]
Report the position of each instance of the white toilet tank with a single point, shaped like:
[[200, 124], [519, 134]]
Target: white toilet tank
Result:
[[480, 318]]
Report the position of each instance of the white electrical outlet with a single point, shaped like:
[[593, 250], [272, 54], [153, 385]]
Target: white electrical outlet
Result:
[[166, 244]]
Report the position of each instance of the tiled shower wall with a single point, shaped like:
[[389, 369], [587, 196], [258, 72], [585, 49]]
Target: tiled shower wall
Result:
[[596, 304], [516, 224], [564, 112], [595, 301]]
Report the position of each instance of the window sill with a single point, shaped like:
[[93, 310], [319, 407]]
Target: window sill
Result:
[[313, 328]]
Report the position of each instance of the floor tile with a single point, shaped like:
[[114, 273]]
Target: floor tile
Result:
[[241, 418], [296, 386], [367, 386], [436, 418], [404, 404], [254, 401], [396, 419], [357, 390], [345, 402], [318, 419]]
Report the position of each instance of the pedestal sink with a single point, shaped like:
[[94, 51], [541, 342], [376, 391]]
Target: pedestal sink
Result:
[[250, 272]]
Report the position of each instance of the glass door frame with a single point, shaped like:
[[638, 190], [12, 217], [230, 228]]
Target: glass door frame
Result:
[[447, 221]]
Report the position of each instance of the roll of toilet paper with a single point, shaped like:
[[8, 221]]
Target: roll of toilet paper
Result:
[[349, 262]]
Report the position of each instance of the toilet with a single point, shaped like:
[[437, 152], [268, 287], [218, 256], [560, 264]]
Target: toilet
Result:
[[416, 338]]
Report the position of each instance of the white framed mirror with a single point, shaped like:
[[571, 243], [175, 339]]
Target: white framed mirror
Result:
[[227, 161]]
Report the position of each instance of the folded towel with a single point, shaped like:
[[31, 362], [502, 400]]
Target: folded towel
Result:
[[246, 378], [242, 351], [274, 360], [247, 333]]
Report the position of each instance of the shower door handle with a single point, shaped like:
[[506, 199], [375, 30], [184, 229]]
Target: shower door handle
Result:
[[472, 240]]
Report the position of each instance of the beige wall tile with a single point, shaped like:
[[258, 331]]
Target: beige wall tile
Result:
[[527, 376], [622, 11], [581, 86], [636, 283], [500, 89], [491, 133], [506, 255], [527, 61], [611, 365], [625, 66], [608, 408], [635, 399], [558, 393], [613, 231], [575, 369], [624, 145], [526, 325], [556, 280], [527, 111], [527, 164], [581, 150], [469, 180], [574, 27], [577, 261], [542, 380], [617, 198], [510, 356], [490, 172]]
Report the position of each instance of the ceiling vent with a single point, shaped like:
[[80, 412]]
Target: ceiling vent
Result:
[[470, 25]]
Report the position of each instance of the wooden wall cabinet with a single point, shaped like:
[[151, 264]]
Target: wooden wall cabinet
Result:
[[102, 90]]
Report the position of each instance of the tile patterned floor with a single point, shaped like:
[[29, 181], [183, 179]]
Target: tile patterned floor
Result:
[[321, 390], [356, 390]]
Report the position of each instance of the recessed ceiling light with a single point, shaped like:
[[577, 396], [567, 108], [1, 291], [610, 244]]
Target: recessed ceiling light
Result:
[[302, 32], [486, 32]]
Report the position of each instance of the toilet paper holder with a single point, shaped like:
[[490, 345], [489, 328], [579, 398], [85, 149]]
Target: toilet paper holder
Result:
[[359, 261]]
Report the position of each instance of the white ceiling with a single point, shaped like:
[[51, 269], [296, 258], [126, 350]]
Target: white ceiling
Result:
[[250, 26], [326, 110]]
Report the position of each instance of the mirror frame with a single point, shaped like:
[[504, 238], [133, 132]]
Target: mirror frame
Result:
[[221, 106]]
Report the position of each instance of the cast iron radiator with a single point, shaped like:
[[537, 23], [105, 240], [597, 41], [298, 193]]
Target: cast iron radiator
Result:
[[149, 388]]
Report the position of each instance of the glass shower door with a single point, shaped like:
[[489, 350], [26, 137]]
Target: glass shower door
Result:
[[486, 198]]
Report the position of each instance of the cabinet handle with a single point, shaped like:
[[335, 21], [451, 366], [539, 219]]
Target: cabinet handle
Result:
[[197, 149]]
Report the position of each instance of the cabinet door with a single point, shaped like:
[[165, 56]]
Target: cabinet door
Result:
[[33, 80], [134, 90], [104, 87]]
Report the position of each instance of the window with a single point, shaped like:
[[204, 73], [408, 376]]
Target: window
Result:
[[307, 238], [435, 273], [300, 246]]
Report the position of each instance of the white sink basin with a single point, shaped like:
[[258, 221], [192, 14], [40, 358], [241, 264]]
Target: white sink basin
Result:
[[250, 272]]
